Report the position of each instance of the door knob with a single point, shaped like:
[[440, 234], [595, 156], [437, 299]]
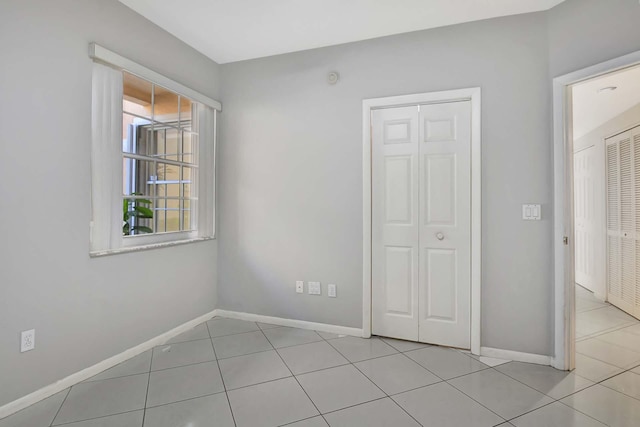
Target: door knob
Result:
[[440, 236]]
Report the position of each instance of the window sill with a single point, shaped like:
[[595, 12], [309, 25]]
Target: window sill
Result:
[[98, 254]]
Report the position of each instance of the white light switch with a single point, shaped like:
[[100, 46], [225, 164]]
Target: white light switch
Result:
[[314, 288], [331, 290], [531, 212], [299, 286]]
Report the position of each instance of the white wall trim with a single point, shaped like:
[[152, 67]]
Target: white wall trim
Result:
[[75, 378], [104, 55], [474, 95], [293, 323], [564, 264], [517, 356]]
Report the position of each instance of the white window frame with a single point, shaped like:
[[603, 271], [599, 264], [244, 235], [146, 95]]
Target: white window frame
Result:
[[206, 190]]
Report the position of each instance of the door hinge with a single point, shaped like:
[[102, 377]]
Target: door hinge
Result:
[[565, 240]]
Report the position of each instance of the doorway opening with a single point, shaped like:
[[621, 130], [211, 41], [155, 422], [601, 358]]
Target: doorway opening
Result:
[[597, 218], [606, 182], [424, 123]]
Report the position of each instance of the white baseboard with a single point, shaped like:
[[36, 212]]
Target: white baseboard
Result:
[[75, 378], [302, 324], [517, 356]]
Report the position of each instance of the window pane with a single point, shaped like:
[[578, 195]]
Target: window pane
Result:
[[137, 136], [137, 216], [138, 177], [187, 181], [189, 141], [186, 215], [167, 215], [160, 216], [165, 105], [172, 215], [161, 143], [168, 190], [169, 141], [136, 95], [167, 174]]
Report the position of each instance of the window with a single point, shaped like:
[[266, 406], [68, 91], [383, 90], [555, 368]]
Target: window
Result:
[[153, 145], [160, 159]]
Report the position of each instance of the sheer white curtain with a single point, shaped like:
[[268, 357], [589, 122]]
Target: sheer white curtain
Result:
[[106, 158]]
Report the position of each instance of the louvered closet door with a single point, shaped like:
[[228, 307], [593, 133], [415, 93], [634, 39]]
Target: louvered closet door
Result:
[[623, 221]]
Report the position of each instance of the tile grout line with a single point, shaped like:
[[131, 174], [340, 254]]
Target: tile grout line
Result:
[[603, 305], [423, 367], [370, 380], [387, 396], [564, 397], [224, 386], [179, 401], [299, 421], [146, 396], [625, 325], [443, 380], [609, 363], [601, 383], [580, 412], [98, 418], [294, 377], [554, 400], [532, 410], [479, 403], [59, 408]]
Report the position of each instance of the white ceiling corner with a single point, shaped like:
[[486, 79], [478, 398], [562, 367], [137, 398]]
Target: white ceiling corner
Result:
[[235, 30], [592, 108]]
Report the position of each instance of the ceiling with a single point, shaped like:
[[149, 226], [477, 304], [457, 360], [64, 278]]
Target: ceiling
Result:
[[592, 108], [235, 30]]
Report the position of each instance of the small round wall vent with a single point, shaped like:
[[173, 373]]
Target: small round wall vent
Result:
[[332, 77]]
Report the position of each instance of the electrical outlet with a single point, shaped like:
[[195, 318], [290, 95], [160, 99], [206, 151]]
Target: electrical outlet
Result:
[[299, 286], [332, 290], [314, 288], [27, 340]]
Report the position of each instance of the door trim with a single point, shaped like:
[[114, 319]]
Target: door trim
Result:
[[468, 94], [564, 254]]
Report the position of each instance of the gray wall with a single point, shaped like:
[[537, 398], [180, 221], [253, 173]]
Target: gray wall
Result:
[[290, 173], [84, 310], [585, 32]]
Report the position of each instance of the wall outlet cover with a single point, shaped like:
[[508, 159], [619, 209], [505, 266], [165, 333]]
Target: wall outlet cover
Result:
[[27, 340], [314, 288], [332, 290], [299, 286]]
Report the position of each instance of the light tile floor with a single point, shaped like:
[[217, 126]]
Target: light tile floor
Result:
[[232, 373]]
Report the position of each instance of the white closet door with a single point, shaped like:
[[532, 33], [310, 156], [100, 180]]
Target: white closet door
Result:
[[394, 304], [445, 224], [623, 221], [585, 214]]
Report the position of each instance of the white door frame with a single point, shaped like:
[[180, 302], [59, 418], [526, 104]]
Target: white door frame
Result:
[[563, 227], [469, 94]]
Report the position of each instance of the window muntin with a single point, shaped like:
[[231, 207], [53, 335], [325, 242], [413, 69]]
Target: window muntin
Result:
[[160, 160]]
